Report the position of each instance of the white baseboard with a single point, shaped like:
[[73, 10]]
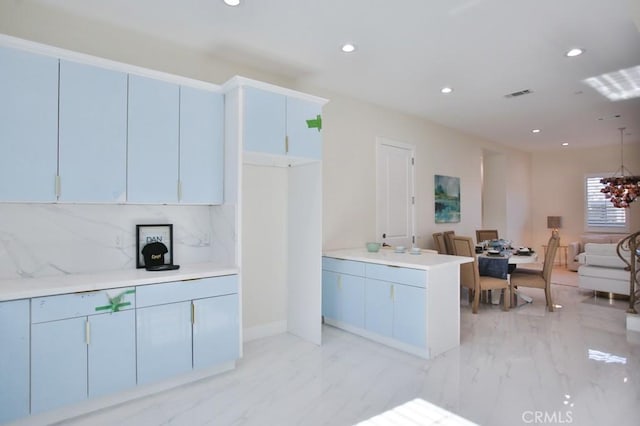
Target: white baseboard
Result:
[[264, 330]]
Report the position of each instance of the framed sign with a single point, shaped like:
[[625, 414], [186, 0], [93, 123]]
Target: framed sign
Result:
[[159, 238]]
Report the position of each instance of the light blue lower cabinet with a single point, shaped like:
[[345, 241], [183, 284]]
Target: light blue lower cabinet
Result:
[[385, 302], [343, 298], [14, 360], [216, 330], [58, 363], [163, 341], [76, 358], [409, 315], [112, 353], [379, 307]]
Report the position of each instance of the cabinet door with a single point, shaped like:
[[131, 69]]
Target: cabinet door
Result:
[[216, 330], [351, 300], [163, 341], [58, 363], [409, 315], [28, 126], [112, 352], [330, 294], [152, 154], [304, 142], [379, 297], [264, 118], [93, 133], [201, 146], [14, 360]]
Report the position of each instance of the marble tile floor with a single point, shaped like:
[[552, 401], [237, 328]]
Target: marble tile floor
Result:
[[577, 365]]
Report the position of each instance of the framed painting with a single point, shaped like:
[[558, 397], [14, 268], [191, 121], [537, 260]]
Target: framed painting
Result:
[[447, 199]]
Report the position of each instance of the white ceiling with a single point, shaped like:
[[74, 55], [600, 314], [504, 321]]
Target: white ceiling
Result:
[[408, 49]]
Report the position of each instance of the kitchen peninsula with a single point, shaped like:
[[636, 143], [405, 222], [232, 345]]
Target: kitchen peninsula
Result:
[[408, 301]]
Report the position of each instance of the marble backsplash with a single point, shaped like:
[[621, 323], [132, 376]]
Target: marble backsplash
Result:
[[38, 240]]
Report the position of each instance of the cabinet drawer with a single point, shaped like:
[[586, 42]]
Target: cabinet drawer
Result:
[[51, 308], [413, 277], [178, 291], [343, 266]]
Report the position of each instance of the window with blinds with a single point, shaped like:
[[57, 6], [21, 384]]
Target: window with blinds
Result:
[[600, 212]]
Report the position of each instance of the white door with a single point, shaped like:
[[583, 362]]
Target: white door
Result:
[[395, 199]]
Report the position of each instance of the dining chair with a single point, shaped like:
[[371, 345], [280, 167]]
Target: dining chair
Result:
[[470, 275], [448, 241], [486, 234], [522, 277], [438, 240]]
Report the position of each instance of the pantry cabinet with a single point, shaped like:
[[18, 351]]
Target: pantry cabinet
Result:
[[14, 360], [77, 351], [277, 124], [28, 126], [93, 134]]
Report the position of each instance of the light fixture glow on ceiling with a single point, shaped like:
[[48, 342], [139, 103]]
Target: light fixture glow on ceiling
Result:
[[576, 51], [446, 90], [535, 131], [348, 48], [617, 85], [232, 2], [565, 143]]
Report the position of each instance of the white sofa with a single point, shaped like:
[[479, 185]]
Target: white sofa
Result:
[[602, 270], [575, 248]]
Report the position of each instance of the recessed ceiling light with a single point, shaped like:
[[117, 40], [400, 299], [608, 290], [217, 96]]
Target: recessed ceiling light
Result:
[[565, 143], [535, 131], [232, 2], [348, 48], [576, 51], [446, 90]]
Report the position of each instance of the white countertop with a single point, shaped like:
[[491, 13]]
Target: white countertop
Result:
[[25, 288], [424, 260]]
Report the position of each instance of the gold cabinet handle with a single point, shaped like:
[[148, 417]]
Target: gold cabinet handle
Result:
[[392, 292], [193, 313], [339, 282], [87, 332], [286, 144]]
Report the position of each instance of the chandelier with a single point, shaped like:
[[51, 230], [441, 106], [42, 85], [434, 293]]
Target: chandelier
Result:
[[620, 189]]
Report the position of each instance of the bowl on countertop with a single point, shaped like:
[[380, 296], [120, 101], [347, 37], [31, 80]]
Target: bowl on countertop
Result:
[[373, 247]]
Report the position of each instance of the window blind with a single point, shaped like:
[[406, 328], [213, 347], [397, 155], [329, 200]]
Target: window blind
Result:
[[600, 211]]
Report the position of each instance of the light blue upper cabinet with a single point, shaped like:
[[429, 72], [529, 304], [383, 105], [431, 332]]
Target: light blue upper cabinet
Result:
[[28, 126], [201, 146], [280, 125], [264, 118], [93, 134], [152, 166], [14, 360], [304, 141]]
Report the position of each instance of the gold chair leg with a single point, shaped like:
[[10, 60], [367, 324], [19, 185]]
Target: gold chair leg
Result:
[[506, 299], [476, 301], [547, 294]]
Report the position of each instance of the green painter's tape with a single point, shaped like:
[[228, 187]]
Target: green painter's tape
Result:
[[115, 303], [315, 123]]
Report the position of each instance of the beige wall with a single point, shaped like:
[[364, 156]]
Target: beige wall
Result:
[[558, 186], [349, 134]]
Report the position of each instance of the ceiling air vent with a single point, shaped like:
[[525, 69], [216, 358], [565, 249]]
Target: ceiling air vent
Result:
[[520, 93]]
